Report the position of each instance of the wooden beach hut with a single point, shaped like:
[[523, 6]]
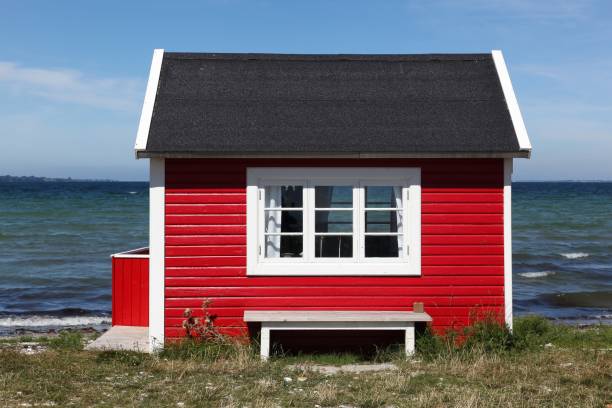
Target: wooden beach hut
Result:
[[324, 192]]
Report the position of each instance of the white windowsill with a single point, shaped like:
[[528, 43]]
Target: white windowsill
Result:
[[334, 269]]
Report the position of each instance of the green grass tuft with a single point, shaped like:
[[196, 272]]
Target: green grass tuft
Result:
[[66, 340]]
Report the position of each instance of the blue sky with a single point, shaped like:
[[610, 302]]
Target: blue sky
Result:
[[73, 73]]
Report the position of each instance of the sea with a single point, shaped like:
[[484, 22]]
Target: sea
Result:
[[56, 239]]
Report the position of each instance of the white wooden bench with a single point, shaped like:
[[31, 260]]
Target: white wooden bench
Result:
[[334, 320]]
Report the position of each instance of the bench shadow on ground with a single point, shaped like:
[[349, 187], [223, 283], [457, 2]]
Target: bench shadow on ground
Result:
[[337, 346]]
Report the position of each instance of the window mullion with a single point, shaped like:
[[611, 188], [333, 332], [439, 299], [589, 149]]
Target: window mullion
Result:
[[308, 222], [359, 233]]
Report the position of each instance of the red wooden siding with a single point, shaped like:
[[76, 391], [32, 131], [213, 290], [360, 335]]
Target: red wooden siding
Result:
[[130, 291], [462, 246]]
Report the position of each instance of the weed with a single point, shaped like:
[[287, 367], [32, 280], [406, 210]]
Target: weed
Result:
[[65, 340]]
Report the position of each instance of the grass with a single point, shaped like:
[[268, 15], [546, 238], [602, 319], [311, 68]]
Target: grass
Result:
[[540, 364]]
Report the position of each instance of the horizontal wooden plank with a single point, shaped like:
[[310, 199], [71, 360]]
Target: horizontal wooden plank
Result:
[[461, 229], [334, 291], [458, 270], [427, 189], [205, 229], [204, 178], [452, 321], [462, 239], [203, 196], [205, 209], [429, 270], [437, 197], [189, 271], [218, 322], [214, 250], [461, 208], [238, 312], [460, 178], [470, 219], [227, 219], [341, 300], [205, 240], [176, 333], [491, 260], [208, 189], [206, 261], [462, 250], [340, 282]]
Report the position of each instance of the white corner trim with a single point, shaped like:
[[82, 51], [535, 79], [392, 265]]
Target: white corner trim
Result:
[[508, 241], [149, 101], [513, 107], [157, 175]]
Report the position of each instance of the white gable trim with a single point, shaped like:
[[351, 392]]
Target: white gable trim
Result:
[[149, 101], [513, 107]]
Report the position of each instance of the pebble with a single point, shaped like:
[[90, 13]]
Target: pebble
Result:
[[287, 379]]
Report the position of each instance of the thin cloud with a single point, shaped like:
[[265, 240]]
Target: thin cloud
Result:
[[72, 86]]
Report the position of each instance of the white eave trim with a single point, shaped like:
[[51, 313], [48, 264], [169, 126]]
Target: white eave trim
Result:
[[513, 107], [149, 101]]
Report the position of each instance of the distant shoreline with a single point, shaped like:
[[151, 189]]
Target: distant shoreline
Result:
[[36, 179]]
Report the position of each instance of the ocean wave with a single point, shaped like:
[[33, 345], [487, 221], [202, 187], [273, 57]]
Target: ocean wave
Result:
[[541, 274], [575, 255], [597, 299], [53, 321]]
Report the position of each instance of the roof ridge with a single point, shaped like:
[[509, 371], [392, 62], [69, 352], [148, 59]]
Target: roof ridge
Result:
[[329, 57]]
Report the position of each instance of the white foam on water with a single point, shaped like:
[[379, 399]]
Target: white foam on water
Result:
[[575, 255], [132, 192], [50, 321], [541, 274]]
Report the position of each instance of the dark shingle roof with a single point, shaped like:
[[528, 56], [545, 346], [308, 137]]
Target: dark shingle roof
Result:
[[326, 104]]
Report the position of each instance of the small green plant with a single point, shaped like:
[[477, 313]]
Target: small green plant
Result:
[[488, 334], [66, 340], [128, 358], [202, 350]]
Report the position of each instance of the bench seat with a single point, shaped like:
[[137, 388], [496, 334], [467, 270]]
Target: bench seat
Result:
[[334, 320]]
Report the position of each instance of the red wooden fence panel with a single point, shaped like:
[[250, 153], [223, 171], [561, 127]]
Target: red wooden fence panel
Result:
[[130, 298]]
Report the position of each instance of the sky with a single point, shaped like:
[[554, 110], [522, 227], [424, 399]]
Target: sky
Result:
[[73, 73]]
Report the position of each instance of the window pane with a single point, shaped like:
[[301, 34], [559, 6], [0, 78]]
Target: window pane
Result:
[[333, 196], [383, 221], [334, 221], [383, 246], [383, 197], [284, 196], [284, 246], [278, 221], [333, 246]]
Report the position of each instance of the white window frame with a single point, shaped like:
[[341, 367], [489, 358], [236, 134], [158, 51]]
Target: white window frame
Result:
[[407, 177]]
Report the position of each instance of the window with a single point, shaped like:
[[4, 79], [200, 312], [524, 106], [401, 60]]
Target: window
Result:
[[333, 221]]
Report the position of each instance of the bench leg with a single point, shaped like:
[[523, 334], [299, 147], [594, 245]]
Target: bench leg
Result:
[[264, 343], [410, 340]]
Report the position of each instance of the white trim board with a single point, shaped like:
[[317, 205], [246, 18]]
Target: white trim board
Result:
[[132, 253], [157, 212], [508, 241], [149, 101], [513, 107]]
